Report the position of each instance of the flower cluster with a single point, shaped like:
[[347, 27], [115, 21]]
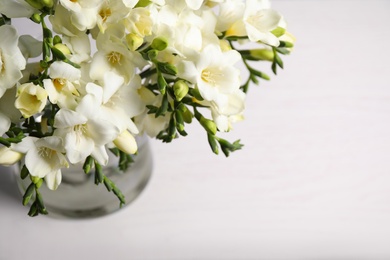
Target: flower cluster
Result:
[[105, 71]]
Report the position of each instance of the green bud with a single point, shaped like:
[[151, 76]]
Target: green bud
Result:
[[134, 41], [152, 54], [187, 116], [284, 44], [28, 194], [35, 3], [108, 184], [262, 54], [57, 39], [60, 51], [213, 143], [47, 3], [167, 68], [278, 31], [88, 164], [159, 43], [180, 88], [40, 204], [161, 82], [179, 120], [209, 125], [34, 179], [33, 210], [36, 18], [99, 176]]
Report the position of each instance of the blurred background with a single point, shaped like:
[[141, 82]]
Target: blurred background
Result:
[[312, 182]]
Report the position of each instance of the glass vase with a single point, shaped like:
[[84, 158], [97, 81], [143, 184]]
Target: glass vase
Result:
[[79, 197]]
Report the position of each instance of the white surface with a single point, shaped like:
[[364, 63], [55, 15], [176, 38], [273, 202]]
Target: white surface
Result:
[[313, 181]]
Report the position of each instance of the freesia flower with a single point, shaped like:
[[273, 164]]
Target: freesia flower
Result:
[[30, 99], [16, 8], [61, 88], [213, 72], [12, 61], [43, 158]]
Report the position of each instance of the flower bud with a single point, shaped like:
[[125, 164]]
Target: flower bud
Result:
[[159, 43], [30, 99], [60, 51], [36, 18], [126, 143], [180, 89], [134, 41], [35, 3], [262, 54], [8, 156], [209, 125], [47, 3], [279, 31]]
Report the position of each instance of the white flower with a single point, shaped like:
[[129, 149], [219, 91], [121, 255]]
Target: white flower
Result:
[[83, 13], [61, 88], [16, 8], [29, 46], [84, 132], [228, 109], [44, 158], [5, 123], [111, 12], [139, 22], [30, 99], [113, 55], [8, 112], [79, 46], [257, 23], [213, 72], [11, 58], [118, 102], [9, 156]]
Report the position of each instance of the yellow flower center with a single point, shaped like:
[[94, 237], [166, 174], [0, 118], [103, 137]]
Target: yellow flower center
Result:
[[114, 58], [210, 76], [59, 84], [46, 152], [105, 13]]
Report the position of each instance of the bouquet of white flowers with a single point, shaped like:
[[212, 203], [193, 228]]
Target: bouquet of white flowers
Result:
[[107, 70]]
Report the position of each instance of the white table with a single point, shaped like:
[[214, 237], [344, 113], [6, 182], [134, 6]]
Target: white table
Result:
[[313, 180]]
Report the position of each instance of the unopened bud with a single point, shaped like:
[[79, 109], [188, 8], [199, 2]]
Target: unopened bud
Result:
[[126, 143], [62, 48], [134, 41], [35, 3], [47, 3], [209, 125], [262, 54], [180, 89], [159, 43], [278, 31], [36, 18], [8, 156]]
